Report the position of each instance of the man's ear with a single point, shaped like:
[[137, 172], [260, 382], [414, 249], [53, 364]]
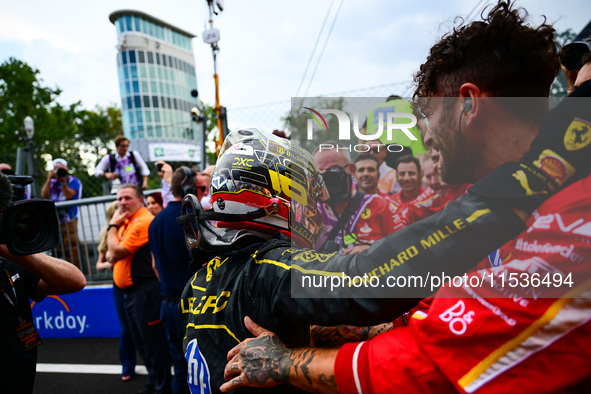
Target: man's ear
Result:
[[351, 168], [469, 98]]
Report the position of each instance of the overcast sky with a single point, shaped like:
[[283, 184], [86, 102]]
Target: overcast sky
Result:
[[265, 44]]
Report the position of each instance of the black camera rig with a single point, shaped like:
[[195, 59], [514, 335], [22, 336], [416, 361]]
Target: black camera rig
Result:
[[26, 226]]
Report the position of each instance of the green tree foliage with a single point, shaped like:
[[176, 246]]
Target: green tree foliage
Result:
[[78, 135], [211, 133]]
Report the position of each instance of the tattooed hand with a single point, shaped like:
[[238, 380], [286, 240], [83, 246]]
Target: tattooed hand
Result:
[[259, 362]]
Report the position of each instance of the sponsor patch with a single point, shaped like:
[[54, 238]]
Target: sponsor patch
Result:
[[555, 166], [366, 213], [578, 135]]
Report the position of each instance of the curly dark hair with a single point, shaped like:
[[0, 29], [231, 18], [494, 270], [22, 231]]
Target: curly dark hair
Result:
[[501, 54]]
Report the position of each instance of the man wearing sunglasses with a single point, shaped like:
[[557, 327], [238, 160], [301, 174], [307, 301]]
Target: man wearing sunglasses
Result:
[[353, 220]]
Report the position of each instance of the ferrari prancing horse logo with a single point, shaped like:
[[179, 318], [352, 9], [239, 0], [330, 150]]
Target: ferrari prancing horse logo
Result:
[[578, 135]]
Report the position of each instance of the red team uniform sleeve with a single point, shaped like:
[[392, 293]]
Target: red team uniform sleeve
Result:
[[488, 336]]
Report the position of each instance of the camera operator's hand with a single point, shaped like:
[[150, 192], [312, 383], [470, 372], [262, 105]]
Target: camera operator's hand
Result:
[[51, 174], [62, 179], [57, 276]]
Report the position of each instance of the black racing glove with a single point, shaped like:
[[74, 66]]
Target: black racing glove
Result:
[[559, 156]]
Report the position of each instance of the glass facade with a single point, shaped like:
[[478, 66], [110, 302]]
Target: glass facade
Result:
[[155, 84], [156, 94], [154, 29]]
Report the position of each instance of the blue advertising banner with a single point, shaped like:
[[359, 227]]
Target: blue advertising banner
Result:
[[86, 314]]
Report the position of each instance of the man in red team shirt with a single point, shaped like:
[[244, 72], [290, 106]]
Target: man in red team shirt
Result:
[[430, 179], [489, 338], [408, 174]]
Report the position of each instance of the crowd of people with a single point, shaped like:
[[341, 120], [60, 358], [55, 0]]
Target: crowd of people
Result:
[[497, 191]]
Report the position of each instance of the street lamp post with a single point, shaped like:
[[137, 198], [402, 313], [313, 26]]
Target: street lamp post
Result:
[[26, 156]]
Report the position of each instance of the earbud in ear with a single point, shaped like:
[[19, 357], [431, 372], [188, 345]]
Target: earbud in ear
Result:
[[467, 105]]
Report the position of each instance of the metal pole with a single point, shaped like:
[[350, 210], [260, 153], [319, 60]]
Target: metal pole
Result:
[[218, 108]]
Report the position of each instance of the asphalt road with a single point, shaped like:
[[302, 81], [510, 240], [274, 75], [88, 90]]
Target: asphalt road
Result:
[[83, 366]]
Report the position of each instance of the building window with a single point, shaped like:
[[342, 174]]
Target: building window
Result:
[[150, 58], [124, 57], [136, 86], [155, 101], [132, 56], [146, 101], [137, 101], [134, 71], [157, 58], [140, 55]]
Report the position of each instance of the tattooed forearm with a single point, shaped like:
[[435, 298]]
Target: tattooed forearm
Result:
[[302, 361], [266, 359], [338, 335], [329, 381], [313, 369]]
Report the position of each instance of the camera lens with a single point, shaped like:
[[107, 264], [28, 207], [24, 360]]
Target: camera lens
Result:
[[61, 172], [26, 227]]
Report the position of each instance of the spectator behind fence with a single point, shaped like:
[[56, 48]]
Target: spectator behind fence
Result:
[[165, 173], [127, 239], [154, 203], [127, 351], [171, 260], [124, 166], [60, 186]]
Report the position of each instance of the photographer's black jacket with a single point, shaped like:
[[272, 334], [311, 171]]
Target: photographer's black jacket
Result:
[[17, 366]]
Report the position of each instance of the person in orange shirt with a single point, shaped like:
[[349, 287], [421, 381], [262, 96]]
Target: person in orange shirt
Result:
[[127, 240]]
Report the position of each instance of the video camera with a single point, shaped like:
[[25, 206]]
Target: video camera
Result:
[[26, 226]]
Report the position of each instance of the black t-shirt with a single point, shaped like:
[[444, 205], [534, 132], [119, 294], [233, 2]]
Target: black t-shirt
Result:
[[17, 365]]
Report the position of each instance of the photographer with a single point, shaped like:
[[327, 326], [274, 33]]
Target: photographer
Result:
[[22, 277], [60, 186]]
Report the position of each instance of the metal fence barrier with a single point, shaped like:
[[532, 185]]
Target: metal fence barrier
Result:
[[91, 219]]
